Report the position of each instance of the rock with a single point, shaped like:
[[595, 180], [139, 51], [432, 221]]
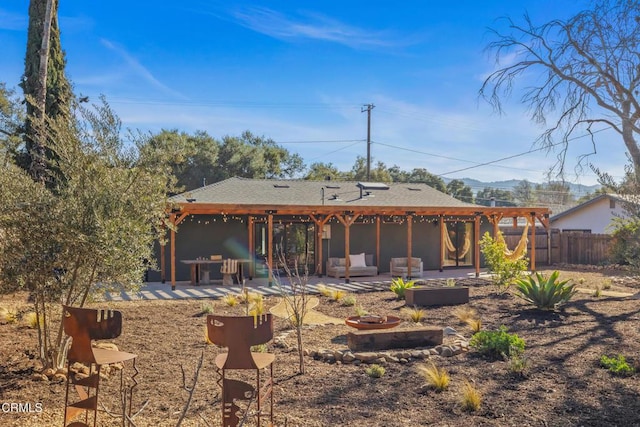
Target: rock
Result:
[[37, 376], [59, 378], [456, 349], [446, 352], [366, 356], [448, 331], [338, 355], [49, 372], [403, 360], [433, 352], [390, 358], [348, 357]]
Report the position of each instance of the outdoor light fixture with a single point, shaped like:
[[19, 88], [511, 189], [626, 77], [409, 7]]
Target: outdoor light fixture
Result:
[[191, 200]]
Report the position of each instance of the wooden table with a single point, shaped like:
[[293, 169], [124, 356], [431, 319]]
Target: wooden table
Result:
[[196, 264]]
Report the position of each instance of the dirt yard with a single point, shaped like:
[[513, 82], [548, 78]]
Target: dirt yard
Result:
[[563, 384]]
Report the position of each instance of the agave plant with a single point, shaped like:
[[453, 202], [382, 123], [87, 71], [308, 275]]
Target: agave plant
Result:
[[545, 293], [399, 286]]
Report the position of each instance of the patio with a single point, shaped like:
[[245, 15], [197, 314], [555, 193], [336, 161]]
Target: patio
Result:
[[185, 290]]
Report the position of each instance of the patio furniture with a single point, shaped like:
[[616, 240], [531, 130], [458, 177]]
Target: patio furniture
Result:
[[336, 267], [239, 334], [84, 325], [229, 269], [399, 267]]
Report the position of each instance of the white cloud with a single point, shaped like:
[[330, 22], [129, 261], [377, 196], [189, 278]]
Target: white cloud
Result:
[[140, 70], [312, 26]]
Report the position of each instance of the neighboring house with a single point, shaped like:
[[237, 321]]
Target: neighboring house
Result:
[[593, 216], [310, 221]]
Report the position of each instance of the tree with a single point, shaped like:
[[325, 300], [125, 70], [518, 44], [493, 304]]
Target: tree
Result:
[[589, 73], [11, 124], [323, 171], [554, 193], [424, 176], [193, 158], [251, 156], [523, 193], [94, 231], [457, 188], [500, 197], [358, 172], [43, 82]]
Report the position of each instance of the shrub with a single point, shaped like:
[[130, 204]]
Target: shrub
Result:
[[436, 378], [475, 325], [505, 271], [617, 365], [465, 313], [414, 314], [606, 285], [471, 397], [518, 363], [230, 300], [545, 293], [399, 286], [498, 343], [31, 320], [337, 294], [324, 290], [375, 371], [360, 311], [349, 301], [450, 282], [625, 248], [257, 307], [9, 315], [206, 308]]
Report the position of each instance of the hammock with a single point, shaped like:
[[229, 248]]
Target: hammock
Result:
[[520, 250]]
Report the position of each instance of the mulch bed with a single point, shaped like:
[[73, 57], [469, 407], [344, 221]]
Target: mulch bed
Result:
[[562, 386]]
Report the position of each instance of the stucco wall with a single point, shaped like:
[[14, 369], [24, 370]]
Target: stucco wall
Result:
[[596, 217]]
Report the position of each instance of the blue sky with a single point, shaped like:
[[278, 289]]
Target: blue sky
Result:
[[299, 72]]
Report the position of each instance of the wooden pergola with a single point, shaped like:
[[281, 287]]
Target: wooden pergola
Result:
[[321, 215]]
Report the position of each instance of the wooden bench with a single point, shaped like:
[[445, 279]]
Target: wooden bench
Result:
[[429, 296], [384, 339]]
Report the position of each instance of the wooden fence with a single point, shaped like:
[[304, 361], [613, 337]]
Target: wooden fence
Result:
[[564, 248]]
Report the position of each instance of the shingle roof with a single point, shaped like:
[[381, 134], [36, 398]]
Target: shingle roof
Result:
[[618, 197], [243, 191]]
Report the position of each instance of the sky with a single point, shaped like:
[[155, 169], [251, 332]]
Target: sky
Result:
[[302, 72]]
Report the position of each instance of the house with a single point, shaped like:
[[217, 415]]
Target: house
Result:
[[310, 221], [593, 216]]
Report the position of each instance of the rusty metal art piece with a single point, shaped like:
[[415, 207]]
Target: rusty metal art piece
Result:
[[84, 325], [239, 334]]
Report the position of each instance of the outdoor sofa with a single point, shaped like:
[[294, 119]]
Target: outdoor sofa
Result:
[[398, 267], [360, 265]]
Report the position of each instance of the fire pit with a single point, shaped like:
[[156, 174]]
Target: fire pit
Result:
[[373, 322]]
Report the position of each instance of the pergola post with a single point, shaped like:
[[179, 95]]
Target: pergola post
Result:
[[476, 243], [270, 248], [252, 246], [378, 242], [409, 244], [443, 229], [533, 241]]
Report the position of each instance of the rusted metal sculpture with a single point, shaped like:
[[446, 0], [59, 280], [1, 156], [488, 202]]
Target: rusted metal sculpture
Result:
[[84, 325], [239, 334]]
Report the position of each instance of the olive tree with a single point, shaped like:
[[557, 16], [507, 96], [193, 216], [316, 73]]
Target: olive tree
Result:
[[93, 230], [588, 72]]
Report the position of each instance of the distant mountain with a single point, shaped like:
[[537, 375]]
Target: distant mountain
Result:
[[578, 190]]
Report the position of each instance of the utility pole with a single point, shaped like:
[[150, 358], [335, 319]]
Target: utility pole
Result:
[[368, 108]]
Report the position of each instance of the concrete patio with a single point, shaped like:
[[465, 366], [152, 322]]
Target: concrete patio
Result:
[[185, 290]]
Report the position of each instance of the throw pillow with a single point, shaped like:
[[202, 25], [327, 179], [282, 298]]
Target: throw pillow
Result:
[[357, 260]]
